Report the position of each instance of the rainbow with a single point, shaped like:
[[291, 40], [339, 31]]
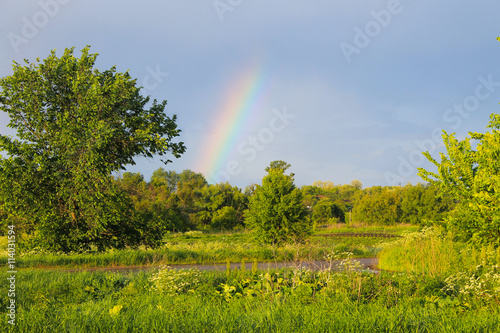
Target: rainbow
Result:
[[241, 100]]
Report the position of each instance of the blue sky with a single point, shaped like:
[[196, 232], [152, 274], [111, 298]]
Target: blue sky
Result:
[[370, 85]]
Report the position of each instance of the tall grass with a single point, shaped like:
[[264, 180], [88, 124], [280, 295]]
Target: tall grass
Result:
[[432, 253], [364, 228]]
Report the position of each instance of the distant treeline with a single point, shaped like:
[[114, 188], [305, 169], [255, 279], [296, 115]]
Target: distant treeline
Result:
[[185, 201], [386, 205], [171, 202]]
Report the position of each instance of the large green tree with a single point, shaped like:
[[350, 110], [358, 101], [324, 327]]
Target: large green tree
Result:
[[470, 173], [275, 210], [76, 125]]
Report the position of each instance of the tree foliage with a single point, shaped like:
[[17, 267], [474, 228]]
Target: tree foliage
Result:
[[275, 211], [378, 205], [221, 206], [278, 165], [415, 204], [470, 173], [153, 207], [327, 211], [75, 126], [162, 177]]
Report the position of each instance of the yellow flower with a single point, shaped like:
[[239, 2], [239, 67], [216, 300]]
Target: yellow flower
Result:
[[115, 310]]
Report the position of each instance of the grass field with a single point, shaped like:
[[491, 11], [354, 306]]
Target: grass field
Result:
[[435, 286], [236, 301], [196, 247]]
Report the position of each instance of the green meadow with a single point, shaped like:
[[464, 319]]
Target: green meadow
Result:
[[429, 284], [197, 247]]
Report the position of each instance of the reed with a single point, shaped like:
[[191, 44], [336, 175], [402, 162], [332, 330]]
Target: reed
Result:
[[430, 252]]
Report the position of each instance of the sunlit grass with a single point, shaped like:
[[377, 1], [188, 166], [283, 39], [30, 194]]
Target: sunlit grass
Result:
[[196, 247], [3, 246], [364, 228], [240, 301], [429, 252]]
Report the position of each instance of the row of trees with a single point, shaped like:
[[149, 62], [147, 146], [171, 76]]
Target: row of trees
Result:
[[171, 202], [409, 204], [186, 201], [387, 205]]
